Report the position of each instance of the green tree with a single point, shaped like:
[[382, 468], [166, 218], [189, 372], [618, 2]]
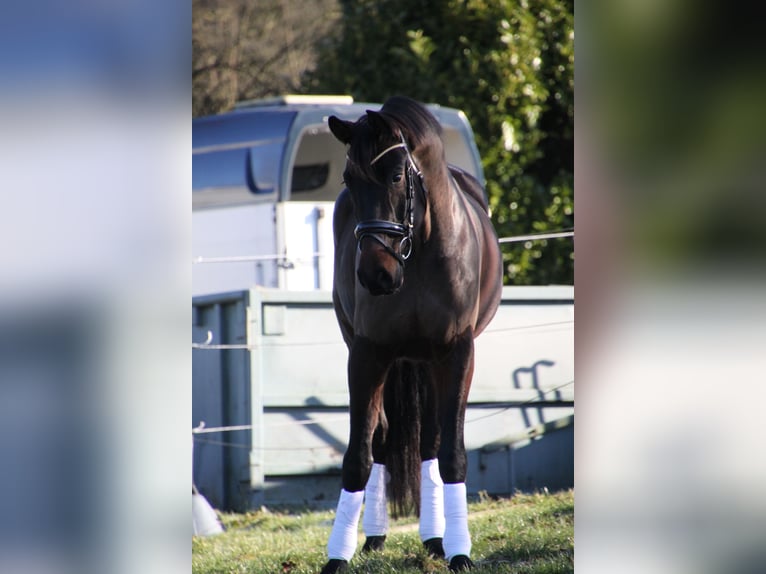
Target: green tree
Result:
[[509, 65]]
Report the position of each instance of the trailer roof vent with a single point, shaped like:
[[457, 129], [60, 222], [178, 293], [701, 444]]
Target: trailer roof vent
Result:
[[300, 99]]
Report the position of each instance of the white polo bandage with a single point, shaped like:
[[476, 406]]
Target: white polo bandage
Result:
[[431, 501], [375, 519], [457, 539], [344, 536]]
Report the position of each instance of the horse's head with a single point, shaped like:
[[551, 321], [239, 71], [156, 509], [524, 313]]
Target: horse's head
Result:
[[381, 177]]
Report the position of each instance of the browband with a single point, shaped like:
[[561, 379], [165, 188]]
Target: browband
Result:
[[385, 151]]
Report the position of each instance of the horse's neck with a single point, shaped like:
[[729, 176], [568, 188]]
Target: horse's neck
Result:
[[444, 204]]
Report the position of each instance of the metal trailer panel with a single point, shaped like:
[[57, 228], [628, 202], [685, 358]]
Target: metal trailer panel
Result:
[[221, 397], [298, 398]]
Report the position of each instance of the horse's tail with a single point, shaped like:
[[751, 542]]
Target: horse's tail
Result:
[[403, 403]]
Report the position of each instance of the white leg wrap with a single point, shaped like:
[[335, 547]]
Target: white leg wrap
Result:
[[457, 539], [375, 518], [431, 501], [343, 538]]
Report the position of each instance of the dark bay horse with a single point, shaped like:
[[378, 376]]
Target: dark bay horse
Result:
[[418, 275]]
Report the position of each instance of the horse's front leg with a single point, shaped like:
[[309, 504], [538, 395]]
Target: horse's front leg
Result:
[[375, 517], [367, 368], [431, 483], [455, 374]]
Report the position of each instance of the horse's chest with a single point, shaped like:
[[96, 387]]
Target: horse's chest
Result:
[[427, 317]]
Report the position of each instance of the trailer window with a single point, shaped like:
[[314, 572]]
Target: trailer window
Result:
[[309, 177]]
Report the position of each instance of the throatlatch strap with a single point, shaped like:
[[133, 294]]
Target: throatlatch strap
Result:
[[431, 501], [343, 538]]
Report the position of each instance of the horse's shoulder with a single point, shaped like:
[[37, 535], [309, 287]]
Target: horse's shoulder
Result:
[[469, 185]]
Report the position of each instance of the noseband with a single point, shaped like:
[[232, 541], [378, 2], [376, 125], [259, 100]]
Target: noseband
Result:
[[374, 227]]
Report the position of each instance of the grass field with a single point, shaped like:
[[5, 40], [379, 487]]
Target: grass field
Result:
[[526, 534]]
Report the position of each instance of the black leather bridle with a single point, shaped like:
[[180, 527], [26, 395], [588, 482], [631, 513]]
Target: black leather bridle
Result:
[[374, 227]]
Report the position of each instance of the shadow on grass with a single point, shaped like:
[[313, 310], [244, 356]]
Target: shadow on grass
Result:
[[531, 560]]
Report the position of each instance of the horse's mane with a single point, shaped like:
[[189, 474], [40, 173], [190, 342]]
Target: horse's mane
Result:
[[418, 125]]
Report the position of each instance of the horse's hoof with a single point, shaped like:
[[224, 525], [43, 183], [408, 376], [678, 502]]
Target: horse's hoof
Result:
[[335, 565], [434, 547], [374, 543], [459, 563]]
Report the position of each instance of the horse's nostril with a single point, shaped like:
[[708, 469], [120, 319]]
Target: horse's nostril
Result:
[[384, 279], [377, 280]]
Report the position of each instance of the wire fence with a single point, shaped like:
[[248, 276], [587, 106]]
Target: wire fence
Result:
[[537, 236], [502, 407], [208, 345], [312, 257]]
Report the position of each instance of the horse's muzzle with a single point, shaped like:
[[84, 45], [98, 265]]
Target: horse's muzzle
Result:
[[381, 284], [377, 270]]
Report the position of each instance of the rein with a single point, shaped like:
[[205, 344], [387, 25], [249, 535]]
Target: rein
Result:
[[374, 227]]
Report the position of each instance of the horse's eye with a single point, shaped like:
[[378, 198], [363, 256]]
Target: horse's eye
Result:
[[396, 178]]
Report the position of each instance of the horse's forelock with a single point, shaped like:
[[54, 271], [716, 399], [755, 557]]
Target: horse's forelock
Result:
[[364, 147], [420, 128]]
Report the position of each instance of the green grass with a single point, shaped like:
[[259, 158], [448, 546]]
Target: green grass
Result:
[[526, 534]]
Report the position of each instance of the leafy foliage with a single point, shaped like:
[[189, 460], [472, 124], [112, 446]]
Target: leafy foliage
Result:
[[509, 65]]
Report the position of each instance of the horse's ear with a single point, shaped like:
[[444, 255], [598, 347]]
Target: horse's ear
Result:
[[378, 122], [340, 129]]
